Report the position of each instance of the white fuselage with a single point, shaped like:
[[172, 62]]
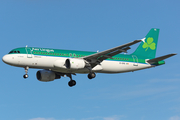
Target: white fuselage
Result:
[[47, 62]]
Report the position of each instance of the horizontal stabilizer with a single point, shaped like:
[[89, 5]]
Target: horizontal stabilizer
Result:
[[160, 58]]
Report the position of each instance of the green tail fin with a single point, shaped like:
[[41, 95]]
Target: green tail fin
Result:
[[148, 46]]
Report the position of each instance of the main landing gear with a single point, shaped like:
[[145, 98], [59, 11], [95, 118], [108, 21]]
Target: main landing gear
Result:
[[71, 82], [26, 70], [91, 75]]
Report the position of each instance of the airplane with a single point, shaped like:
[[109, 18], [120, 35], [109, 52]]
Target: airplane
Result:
[[57, 63]]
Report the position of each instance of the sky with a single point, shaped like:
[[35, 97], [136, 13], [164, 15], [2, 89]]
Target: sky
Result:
[[90, 25]]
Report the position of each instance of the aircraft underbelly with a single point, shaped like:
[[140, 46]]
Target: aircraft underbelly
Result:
[[44, 62], [109, 67], [120, 67]]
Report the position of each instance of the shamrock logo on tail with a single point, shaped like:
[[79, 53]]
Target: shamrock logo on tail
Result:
[[150, 44]]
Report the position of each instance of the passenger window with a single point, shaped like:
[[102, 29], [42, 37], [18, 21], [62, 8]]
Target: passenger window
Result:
[[18, 51], [15, 52]]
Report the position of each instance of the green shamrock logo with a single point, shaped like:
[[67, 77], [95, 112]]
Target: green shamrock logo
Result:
[[150, 44]]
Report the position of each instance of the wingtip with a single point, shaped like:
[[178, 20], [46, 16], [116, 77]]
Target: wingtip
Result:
[[137, 40], [174, 53]]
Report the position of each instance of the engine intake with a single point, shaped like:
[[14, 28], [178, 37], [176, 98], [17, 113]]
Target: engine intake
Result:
[[46, 75]]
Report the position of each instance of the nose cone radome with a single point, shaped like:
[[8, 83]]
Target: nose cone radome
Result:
[[6, 59]]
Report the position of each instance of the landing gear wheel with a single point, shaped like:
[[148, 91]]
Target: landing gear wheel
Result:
[[26, 70], [25, 76], [72, 83], [91, 75]]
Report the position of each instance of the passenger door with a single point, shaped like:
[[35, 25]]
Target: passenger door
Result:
[[29, 52], [135, 59]]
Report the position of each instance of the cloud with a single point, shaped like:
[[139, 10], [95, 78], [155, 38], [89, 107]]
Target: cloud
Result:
[[115, 117], [42, 119], [174, 118], [39, 118], [153, 89], [92, 118]]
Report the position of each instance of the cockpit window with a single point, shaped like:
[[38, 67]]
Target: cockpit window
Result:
[[10, 52], [14, 52]]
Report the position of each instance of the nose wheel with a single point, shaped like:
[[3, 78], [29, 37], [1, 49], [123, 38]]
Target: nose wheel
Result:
[[26, 70], [25, 76]]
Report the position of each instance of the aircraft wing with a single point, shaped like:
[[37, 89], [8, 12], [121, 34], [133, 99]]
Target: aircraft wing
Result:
[[97, 58]]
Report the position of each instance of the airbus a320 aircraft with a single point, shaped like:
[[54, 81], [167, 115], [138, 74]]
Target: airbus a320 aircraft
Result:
[[57, 62]]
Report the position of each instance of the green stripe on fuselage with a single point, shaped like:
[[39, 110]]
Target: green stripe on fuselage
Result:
[[73, 54]]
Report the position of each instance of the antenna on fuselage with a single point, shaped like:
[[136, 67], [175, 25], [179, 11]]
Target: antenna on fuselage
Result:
[[26, 45]]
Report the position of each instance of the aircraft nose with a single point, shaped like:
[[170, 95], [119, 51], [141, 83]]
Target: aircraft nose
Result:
[[5, 59]]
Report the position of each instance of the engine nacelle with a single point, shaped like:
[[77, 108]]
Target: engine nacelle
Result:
[[74, 63], [46, 75], [60, 63]]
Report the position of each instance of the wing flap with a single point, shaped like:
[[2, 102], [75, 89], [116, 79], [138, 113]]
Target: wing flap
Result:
[[110, 51], [110, 55], [97, 58]]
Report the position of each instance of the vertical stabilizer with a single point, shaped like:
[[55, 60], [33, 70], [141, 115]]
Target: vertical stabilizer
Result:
[[148, 46]]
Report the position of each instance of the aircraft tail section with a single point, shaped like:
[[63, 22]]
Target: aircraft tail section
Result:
[[148, 46], [160, 58]]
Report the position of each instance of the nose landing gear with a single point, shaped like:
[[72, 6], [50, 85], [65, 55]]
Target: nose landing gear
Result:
[[26, 70], [25, 76]]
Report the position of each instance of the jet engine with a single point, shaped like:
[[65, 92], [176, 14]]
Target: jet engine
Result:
[[74, 63], [46, 75], [60, 63]]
